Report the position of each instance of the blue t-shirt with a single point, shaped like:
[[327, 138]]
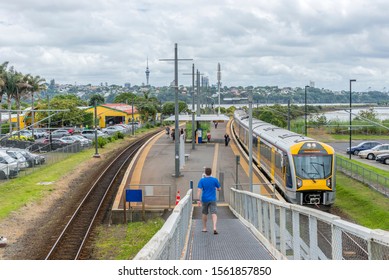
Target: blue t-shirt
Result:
[[208, 186]]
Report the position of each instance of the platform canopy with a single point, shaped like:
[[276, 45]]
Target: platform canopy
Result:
[[199, 118]]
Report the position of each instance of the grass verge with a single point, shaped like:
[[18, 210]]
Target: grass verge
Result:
[[363, 205], [123, 242]]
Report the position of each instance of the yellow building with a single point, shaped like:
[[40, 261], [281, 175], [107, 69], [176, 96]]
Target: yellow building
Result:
[[114, 113], [107, 114]]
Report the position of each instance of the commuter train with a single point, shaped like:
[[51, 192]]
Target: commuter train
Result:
[[302, 168]]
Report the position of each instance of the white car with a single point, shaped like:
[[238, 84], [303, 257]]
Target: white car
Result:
[[113, 129], [8, 166], [21, 160]]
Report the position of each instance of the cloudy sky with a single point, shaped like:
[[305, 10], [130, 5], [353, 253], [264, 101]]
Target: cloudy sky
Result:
[[258, 42]]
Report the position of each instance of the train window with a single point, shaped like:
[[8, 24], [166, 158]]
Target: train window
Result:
[[278, 161], [313, 167]]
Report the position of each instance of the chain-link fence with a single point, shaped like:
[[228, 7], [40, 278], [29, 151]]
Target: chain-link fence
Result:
[[373, 180], [296, 232], [33, 159]]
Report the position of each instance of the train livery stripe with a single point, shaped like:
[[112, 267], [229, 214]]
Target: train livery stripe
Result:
[[273, 163]]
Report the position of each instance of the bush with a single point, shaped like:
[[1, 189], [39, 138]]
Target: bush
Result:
[[101, 142], [22, 138]]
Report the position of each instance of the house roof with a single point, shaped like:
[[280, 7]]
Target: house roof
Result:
[[120, 107]]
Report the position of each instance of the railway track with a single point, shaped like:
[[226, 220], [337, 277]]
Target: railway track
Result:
[[73, 238]]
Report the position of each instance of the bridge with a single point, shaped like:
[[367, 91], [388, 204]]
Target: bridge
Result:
[[251, 225]]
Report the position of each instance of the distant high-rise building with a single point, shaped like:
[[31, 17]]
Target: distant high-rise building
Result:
[[312, 84], [147, 73]]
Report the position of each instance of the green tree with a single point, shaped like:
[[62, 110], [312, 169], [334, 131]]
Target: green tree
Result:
[[37, 85], [125, 97], [96, 97], [168, 107], [75, 115]]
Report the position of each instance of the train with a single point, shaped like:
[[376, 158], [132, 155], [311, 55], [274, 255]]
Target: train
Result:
[[301, 168]]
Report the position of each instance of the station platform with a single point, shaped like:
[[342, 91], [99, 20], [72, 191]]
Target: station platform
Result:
[[154, 173]]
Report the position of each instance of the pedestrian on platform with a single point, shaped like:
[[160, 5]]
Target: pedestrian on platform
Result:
[[168, 131], [209, 136], [206, 192], [173, 134], [215, 123], [226, 139]]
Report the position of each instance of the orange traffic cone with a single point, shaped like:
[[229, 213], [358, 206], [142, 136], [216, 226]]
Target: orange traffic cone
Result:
[[178, 197]]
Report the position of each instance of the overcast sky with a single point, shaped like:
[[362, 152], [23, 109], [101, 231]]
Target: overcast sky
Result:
[[258, 42]]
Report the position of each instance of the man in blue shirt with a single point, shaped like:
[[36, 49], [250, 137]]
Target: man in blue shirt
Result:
[[206, 192]]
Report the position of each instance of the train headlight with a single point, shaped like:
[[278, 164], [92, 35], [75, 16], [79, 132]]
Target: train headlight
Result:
[[328, 182], [299, 183]]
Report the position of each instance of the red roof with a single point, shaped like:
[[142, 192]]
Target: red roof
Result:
[[121, 107]]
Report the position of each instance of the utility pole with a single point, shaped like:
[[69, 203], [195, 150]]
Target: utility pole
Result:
[[176, 127], [219, 77]]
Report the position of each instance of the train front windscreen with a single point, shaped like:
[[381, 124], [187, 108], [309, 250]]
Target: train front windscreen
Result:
[[313, 166]]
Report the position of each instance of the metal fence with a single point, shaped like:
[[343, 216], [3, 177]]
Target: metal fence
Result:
[[373, 180], [169, 242], [295, 232], [49, 158]]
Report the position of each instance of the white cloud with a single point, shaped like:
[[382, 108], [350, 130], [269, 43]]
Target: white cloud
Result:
[[258, 42]]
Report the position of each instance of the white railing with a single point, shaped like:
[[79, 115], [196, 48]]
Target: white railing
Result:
[[296, 232], [169, 242]]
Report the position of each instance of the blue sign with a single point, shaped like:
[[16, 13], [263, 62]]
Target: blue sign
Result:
[[134, 195]]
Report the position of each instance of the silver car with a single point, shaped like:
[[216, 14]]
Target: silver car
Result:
[[372, 153], [8, 166]]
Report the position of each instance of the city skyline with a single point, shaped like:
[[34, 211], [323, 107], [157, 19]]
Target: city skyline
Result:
[[283, 43]]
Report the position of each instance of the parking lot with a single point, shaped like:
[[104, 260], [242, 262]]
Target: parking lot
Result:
[[340, 148]]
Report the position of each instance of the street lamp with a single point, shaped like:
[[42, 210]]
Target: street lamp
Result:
[[352, 80], [305, 127]]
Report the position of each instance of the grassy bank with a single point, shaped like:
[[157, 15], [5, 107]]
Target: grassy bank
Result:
[[123, 242], [363, 205]]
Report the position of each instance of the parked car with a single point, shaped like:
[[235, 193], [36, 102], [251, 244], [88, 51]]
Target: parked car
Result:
[[68, 139], [83, 141], [58, 133], [22, 161], [25, 133], [8, 166], [366, 145], [113, 129], [383, 158], [58, 141], [32, 159], [90, 134], [40, 132], [372, 153]]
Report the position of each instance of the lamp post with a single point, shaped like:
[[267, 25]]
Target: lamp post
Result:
[[96, 155], [352, 80], [305, 127]]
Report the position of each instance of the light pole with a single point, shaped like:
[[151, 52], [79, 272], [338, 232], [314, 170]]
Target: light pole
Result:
[[96, 155], [352, 80], [176, 117], [305, 127]]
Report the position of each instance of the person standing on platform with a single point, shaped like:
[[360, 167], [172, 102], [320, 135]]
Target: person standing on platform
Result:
[[215, 123], [168, 131], [206, 192], [209, 136], [226, 139]]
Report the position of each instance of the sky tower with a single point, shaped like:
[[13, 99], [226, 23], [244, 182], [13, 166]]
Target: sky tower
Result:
[[147, 73]]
